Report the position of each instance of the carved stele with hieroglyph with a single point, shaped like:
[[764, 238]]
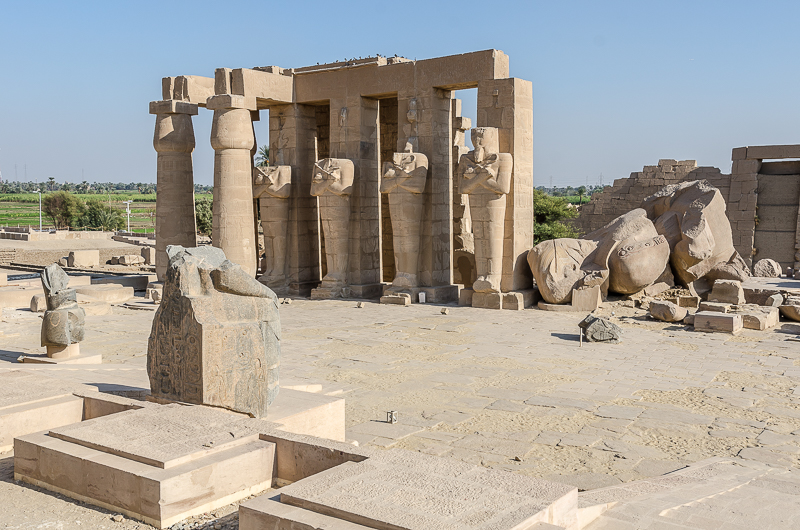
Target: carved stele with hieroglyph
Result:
[[216, 335]]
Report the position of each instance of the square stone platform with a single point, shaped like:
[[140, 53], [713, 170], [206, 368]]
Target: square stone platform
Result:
[[32, 402], [159, 464], [402, 490], [83, 358]]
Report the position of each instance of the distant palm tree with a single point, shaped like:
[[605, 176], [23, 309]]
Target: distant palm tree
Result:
[[581, 193], [262, 156], [51, 183]]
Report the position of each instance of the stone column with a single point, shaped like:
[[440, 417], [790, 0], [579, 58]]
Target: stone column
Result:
[[507, 104], [742, 202], [426, 118], [354, 136], [174, 142], [232, 140]]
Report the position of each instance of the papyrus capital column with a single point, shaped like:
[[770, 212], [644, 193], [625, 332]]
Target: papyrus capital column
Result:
[[174, 142], [232, 139]]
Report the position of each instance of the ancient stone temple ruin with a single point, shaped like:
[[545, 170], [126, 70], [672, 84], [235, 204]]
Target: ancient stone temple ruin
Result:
[[371, 189]]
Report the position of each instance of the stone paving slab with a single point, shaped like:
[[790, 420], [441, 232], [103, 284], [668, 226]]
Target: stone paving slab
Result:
[[666, 394], [392, 491]]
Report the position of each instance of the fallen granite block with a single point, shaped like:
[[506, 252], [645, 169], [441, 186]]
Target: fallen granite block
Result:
[[600, 330], [710, 321], [767, 268], [667, 311], [727, 292]]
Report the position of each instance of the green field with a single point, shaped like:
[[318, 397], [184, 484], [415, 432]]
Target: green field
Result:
[[22, 209]]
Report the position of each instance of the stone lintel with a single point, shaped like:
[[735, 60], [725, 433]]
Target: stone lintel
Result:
[[267, 86], [189, 88], [172, 106], [762, 152], [231, 101]]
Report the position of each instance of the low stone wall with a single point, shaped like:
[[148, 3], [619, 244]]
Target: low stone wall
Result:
[[7, 255], [28, 234]]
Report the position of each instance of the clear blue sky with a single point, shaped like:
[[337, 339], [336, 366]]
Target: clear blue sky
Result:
[[617, 85]]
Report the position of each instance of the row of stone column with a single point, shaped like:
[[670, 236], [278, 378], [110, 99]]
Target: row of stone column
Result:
[[425, 125]]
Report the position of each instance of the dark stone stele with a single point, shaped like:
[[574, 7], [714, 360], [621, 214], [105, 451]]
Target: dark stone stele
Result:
[[216, 335], [597, 329], [63, 321]]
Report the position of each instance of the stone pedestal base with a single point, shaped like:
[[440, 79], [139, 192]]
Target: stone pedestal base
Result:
[[403, 299], [81, 358], [514, 300], [57, 353], [441, 294], [158, 464]]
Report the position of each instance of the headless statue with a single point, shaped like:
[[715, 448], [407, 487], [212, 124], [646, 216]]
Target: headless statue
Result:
[[404, 182], [333, 183], [485, 175], [272, 186]]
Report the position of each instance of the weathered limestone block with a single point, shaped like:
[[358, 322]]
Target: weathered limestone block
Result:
[[215, 338], [272, 186], [149, 255], [333, 184], [62, 325], [691, 215], [758, 317], [84, 258], [667, 311], [130, 260], [716, 307], [727, 292], [791, 308], [397, 299], [485, 175], [767, 268], [597, 329], [587, 298], [404, 181], [710, 321], [625, 256], [765, 297]]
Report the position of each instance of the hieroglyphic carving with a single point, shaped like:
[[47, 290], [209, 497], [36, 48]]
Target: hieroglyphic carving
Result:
[[332, 183], [216, 335], [404, 181], [272, 186], [485, 175]]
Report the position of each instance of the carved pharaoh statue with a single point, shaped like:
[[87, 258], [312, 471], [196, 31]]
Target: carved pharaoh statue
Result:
[[215, 338], [62, 326], [332, 182], [272, 187], [625, 256], [485, 175], [404, 182]]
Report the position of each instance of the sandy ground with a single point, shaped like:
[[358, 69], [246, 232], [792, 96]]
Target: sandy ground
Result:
[[507, 390]]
